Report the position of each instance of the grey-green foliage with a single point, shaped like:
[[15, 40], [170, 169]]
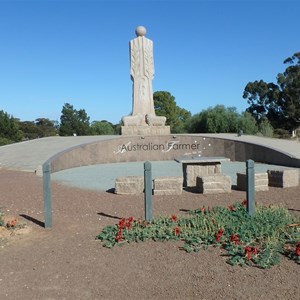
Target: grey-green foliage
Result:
[[265, 128], [9, 129], [102, 128], [221, 119]]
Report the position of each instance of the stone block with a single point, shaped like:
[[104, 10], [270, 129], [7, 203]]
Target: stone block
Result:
[[129, 185], [167, 185], [261, 182], [192, 171], [213, 184], [283, 178]]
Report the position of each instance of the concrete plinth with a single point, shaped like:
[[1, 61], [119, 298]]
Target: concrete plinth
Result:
[[214, 184], [145, 130], [129, 185], [284, 178], [260, 182], [167, 185]]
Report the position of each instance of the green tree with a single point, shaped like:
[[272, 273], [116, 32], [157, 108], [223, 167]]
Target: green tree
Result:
[[165, 105], [279, 103], [30, 130], [102, 128], [221, 119], [46, 127], [9, 129], [73, 121]]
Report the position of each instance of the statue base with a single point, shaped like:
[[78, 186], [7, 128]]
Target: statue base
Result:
[[145, 130]]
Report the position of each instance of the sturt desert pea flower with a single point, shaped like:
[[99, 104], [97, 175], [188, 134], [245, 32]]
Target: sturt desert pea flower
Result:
[[173, 218], [235, 239], [177, 231], [219, 234], [11, 223], [231, 207]]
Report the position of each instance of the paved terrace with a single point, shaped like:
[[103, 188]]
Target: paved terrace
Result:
[[27, 156]]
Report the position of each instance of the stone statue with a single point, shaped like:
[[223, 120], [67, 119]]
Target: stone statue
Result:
[[142, 74]]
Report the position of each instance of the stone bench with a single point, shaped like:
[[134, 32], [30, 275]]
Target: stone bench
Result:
[[129, 185], [283, 178], [213, 184], [167, 185], [261, 181]]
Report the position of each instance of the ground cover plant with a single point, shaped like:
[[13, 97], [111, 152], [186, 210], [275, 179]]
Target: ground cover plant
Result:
[[255, 241]]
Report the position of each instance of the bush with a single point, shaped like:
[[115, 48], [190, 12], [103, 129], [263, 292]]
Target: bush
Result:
[[5, 141], [282, 134]]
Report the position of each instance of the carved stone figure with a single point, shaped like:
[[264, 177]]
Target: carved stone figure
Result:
[[142, 74]]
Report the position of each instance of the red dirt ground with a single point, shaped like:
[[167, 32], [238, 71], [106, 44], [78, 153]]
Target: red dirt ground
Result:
[[66, 262]]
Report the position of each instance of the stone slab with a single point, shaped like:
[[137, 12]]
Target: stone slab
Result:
[[261, 182], [167, 185], [283, 178], [129, 185], [191, 172], [214, 184]]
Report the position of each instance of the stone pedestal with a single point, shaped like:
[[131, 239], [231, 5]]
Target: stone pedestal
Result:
[[145, 130], [260, 182], [167, 186], [214, 184], [129, 185], [284, 178]]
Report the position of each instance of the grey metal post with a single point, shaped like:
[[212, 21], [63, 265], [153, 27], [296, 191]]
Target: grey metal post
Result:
[[47, 194], [148, 191], [250, 174]]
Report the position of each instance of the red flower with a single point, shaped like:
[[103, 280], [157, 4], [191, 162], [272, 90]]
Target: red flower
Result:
[[177, 231], [119, 236], [231, 207], [12, 223], [203, 209], [244, 202], [254, 250], [173, 218], [219, 234], [130, 220], [248, 252], [235, 238], [297, 251], [122, 223]]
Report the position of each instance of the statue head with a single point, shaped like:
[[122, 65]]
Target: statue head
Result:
[[140, 31]]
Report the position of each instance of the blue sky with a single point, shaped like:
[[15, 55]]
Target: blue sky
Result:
[[205, 52]]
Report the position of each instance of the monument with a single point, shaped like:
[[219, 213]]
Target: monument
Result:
[[143, 120]]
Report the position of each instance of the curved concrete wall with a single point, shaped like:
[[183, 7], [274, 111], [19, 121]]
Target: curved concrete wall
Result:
[[167, 147]]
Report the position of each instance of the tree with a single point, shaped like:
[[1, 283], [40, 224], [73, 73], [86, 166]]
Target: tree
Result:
[[9, 129], [102, 128], [165, 105], [279, 103], [46, 127], [221, 119], [73, 121]]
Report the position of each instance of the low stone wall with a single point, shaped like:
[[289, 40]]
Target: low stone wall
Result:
[[214, 184], [165, 147], [129, 185], [167, 185], [260, 182], [283, 178]]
